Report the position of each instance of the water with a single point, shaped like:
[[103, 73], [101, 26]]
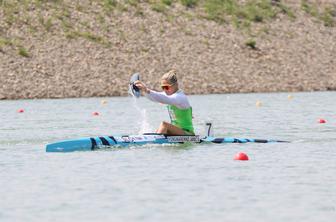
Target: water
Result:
[[281, 182]]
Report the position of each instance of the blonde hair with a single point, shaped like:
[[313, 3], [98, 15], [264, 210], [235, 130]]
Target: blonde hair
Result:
[[170, 77]]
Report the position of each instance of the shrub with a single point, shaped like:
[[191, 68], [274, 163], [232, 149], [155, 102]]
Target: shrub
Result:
[[189, 3], [251, 43], [23, 52], [327, 18], [167, 2], [159, 7]]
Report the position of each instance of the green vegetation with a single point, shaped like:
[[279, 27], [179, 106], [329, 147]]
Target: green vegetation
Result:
[[309, 8], [15, 44], [167, 2], [46, 23], [251, 43], [286, 10], [243, 15], [23, 52], [109, 5], [5, 42], [159, 7], [189, 3], [240, 13], [87, 35], [325, 14]]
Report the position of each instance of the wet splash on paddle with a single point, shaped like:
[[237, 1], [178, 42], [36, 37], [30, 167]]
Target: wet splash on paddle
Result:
[[145, 127]]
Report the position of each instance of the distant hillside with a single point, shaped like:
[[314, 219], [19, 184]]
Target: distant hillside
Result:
[[64, 48]]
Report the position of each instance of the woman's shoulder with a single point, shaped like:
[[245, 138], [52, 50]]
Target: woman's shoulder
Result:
[[180, 92], [183, 99]]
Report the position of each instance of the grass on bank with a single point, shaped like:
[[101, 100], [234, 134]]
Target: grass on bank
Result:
[[326, 14], [251, 43], [5, 42], [253, 11], [189, 3], [159, 7], [21, 50], [248, 11], [87, 35], [224, 11]]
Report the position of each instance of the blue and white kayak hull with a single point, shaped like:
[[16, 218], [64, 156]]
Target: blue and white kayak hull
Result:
[[93, 143]]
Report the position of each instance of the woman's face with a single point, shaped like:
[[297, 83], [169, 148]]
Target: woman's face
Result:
[[168, 88]]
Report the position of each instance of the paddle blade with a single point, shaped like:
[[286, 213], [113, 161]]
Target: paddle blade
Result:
[[133, 89]]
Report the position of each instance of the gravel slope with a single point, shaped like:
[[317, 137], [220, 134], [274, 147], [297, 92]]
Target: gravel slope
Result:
[[291, 55]]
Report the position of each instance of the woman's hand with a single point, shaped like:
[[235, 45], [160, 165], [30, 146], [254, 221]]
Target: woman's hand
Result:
[[141, 86]]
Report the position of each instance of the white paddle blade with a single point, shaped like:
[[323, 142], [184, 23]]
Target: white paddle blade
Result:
[[133, 89]]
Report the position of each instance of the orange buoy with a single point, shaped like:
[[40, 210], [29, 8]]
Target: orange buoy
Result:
[[241, 156], [322, 121]]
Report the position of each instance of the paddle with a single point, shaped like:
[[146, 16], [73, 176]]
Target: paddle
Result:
[[133, 89]]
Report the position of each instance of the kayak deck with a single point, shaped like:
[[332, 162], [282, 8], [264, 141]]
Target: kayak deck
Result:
[[94, 143]]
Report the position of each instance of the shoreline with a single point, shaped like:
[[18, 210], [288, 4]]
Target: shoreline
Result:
[[289, 93]]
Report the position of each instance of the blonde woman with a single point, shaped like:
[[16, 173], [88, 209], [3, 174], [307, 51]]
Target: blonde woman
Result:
[[179, 108]]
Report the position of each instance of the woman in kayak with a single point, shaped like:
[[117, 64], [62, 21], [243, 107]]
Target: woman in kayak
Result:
[[179, 109]]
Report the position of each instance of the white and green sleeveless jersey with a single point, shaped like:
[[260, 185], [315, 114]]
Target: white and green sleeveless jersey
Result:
[[179, 108]]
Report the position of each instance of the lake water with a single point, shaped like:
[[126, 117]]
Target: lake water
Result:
[[281, 182]]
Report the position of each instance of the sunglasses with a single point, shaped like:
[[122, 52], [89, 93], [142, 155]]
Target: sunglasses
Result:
[[165, 87]]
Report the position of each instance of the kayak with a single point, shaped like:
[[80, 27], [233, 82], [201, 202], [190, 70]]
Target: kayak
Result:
[[95, 143]]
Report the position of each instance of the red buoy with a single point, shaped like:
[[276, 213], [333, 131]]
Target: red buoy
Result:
[[322, 121], [95, 113], [241, 156], [20, 110]]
